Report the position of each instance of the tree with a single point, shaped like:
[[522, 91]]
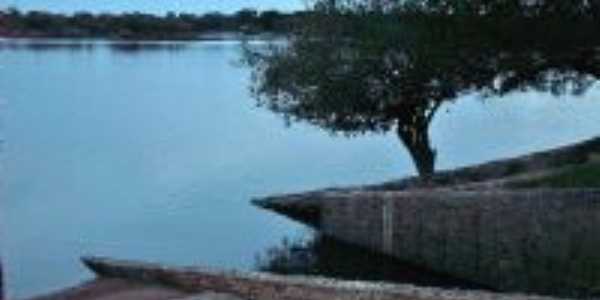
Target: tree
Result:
[[352, 71], [558, 8], [246, 18], [269, 19]]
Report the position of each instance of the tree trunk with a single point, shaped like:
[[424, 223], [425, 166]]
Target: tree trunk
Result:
[[416, 139]]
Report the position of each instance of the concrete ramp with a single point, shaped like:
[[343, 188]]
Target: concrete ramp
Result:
[[115, 289], [262, 286]]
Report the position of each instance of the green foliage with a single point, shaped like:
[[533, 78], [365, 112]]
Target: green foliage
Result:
[[571, 9], [581, 176], [356, 74], [357, 67]]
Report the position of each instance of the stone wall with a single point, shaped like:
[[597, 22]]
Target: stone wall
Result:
[[544, 241], [274, 287]]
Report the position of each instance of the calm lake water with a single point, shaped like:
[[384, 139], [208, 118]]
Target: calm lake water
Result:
[[154, 153]]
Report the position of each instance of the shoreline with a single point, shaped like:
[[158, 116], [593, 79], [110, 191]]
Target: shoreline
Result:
[[208, 36]]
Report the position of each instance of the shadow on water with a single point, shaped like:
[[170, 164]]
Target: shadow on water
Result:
[[325, 256], [139, 47]]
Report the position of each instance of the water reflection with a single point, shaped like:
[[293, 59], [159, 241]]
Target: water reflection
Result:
[[324, 256], [137, 47], [83, 45]]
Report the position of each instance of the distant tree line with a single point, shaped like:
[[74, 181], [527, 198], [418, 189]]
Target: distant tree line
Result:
[[15, 23], [136, 25]]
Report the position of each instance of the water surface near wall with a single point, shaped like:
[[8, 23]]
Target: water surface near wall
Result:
[[154, 153]]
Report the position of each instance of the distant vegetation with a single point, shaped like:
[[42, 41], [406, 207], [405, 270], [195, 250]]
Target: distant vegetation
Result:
[[14, 23]]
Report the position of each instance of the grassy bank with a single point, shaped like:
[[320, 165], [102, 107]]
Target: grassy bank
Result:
[[579, 176]]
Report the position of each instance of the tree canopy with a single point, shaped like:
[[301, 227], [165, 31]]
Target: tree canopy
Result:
[[354, 69], [501, 8]]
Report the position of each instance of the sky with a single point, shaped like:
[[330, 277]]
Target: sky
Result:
[[152, 6]]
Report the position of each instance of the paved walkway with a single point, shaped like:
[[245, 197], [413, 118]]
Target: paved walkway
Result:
[[117, 289]]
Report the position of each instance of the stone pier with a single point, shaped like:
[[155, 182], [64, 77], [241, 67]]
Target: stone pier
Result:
[[472, 223], [539, 241]]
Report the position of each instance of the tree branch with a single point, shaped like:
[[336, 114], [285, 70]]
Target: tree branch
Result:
[[432, 112]]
